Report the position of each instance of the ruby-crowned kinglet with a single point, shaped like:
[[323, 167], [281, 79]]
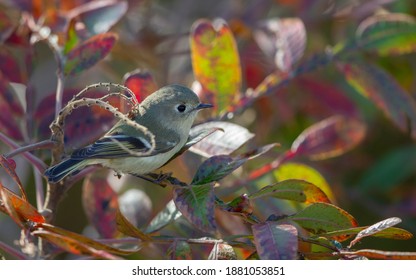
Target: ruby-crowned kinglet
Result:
[[167, 113]]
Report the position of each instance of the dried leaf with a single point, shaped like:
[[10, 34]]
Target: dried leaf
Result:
[[216, 63], [197, 204], [88, 53], [293, 189], [276, 241], [329, 138], [124, 226], [371, 230]]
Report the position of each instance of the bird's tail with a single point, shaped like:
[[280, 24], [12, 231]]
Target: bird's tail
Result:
[[66, 167]]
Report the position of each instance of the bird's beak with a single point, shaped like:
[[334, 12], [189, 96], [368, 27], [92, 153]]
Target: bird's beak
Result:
[[203, 106]]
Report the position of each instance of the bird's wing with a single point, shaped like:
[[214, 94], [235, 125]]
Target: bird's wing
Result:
[[119, 145]]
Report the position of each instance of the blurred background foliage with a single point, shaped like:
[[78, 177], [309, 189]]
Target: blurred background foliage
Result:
[[373, 181]]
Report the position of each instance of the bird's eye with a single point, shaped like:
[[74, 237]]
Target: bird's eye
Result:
[[181, 108]]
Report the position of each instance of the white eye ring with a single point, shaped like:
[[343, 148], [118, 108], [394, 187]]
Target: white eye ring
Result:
[[181, 108]]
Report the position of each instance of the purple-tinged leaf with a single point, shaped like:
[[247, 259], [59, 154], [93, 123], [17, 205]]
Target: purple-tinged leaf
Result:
[[222, 251], [217, 167], [88, 53], [329, 138], [284, 39], [141, 82], [388, 34], [99, 16], [371, 230], [100, 204], [220, 143], [197, 204], [276, 241], [180, 250], [11, 110], [293, 189], [378, 86], [169, 214], [9, 66], [330, 95], [323, 217]]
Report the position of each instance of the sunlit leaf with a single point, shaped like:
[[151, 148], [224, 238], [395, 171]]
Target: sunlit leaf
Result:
[[7, 164], [388, 34], [378, 86], [124, 226], [293, 189], [141, 82], [71, 245], [323, 217], [8, 206], [384, 255], [26, 211], [80, 239], [216, 63], [391, 233], [222, 251], [99, 16], [220, 143], [371, 230], [180, 250], [284, 39], [169, 214], [100, 203], [196, 204], [329, 138], [389, 171], [88, 53], [288, 171], [276, 241]]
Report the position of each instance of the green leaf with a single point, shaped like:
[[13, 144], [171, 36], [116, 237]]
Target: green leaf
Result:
[[100, 204], [378, 86], [169, 214], [180, 250], [275, 241], [88, 53], [288, 171], [329, 138], [216, 63], [231, 138], [293, 189], [196, 204], [388, 34], [323, 217], [389, 171]]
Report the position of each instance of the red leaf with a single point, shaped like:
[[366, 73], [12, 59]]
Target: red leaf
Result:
[[100, 204], [12, 173], [141, 82]]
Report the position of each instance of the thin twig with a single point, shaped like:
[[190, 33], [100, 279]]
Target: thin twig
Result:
[[40, 194], [46, 144]]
